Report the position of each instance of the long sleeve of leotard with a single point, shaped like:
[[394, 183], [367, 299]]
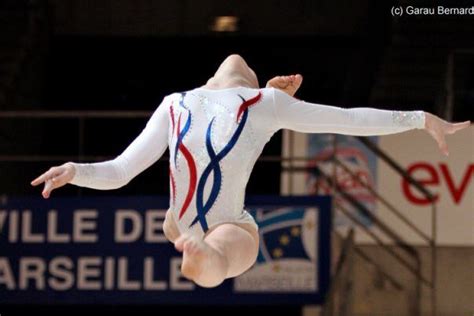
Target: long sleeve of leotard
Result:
[[146, 149], [308, 117]]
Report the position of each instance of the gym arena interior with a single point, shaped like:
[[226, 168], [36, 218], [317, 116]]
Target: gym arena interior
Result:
[[385, 224]]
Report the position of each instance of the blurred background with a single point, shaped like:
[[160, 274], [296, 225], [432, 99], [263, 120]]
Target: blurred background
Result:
[[79, 78]]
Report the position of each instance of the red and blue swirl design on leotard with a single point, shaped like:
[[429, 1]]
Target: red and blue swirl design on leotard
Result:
[[213, 166], [180, 134], [173, 183]]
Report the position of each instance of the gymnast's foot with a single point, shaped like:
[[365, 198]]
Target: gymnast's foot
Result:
[[288, 84], [197, 256]]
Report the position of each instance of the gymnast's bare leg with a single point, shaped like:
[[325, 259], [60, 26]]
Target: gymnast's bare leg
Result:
[[226, 251], [289, 84]]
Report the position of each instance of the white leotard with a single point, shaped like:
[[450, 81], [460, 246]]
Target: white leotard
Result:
[[214, 139]]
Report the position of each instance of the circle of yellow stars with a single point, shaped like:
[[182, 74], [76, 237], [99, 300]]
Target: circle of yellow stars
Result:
[[285, 240]]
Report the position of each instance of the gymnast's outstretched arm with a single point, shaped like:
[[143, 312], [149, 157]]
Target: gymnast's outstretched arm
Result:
[[146, 149], [297, 115]]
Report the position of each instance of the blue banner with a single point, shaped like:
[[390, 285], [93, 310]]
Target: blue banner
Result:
[[112, 250]]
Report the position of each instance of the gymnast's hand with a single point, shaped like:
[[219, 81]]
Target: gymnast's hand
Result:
[[54, 178], [439, 128], [287, 84]]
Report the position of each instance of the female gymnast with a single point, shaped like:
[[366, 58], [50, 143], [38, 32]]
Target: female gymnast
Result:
[[215, 134]]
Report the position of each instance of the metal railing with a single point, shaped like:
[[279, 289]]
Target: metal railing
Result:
[[413, 266], [341, 286], [429, 196]]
